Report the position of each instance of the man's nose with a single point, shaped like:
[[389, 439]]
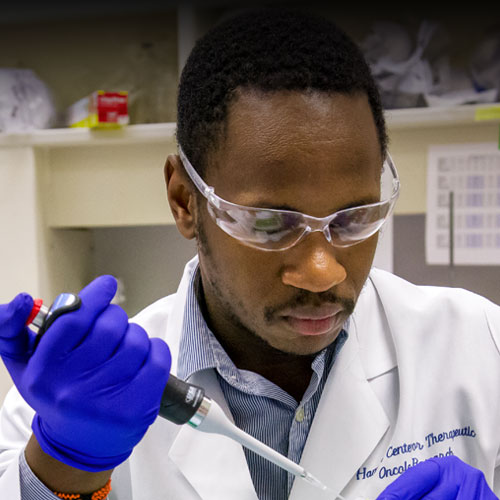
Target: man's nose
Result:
[[312, 265]]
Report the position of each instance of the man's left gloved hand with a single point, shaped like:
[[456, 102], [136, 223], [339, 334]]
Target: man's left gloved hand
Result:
[[447, 478]]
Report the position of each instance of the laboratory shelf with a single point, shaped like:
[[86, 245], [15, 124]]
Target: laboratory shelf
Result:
[[397, 119], [63, 137], [466, 114]]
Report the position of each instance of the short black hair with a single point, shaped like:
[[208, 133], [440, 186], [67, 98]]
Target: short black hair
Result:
[[266, 49]]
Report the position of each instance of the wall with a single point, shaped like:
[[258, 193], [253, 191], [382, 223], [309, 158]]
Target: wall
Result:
[[409, 262], [148, 260]]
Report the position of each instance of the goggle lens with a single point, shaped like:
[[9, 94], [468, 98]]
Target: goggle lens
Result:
[[357, 224], [278, 230], [267, 229]]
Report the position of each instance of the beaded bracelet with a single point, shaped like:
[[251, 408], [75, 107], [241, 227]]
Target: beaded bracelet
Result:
[[97, 495]]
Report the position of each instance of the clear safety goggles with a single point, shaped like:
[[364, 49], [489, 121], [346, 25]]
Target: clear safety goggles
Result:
[[271, 229]]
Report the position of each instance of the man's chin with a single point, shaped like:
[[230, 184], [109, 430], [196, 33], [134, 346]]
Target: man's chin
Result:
[[305, 346]]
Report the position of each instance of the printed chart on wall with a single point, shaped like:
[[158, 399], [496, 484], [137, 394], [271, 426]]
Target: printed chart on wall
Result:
[[463, 204]]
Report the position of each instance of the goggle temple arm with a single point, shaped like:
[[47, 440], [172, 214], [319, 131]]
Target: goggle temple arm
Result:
[[207, 191]]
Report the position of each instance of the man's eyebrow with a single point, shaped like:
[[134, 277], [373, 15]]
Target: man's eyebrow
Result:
[[357, 203], [360, 202], [278, 207]]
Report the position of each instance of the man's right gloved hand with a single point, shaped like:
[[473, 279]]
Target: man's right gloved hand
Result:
[[440, 478], [95, 380]]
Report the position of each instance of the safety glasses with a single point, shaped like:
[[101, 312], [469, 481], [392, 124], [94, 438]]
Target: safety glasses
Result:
[[273, 230]]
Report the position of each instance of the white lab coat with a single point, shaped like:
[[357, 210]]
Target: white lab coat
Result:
[[419, 376]]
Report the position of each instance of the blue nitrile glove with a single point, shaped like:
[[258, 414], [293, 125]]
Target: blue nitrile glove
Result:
[[95, 380], [445, 478]]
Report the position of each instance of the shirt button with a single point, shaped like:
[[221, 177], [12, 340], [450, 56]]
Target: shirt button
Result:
[[299, 414]]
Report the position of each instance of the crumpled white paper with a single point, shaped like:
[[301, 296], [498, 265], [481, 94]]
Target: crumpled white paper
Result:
[[412, 74], [485, 62], [26, 102], [397, 63]]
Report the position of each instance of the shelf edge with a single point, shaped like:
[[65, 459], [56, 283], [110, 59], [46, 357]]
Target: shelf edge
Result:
[[437, 116], [397, 119], [63, 137]]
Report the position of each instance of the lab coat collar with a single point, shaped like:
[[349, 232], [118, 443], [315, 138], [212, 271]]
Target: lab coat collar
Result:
[[372, 328]]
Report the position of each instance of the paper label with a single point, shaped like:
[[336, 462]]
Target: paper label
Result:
[[472, 173]]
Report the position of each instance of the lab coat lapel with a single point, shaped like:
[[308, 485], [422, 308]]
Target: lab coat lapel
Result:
[[350, 421], [214, 465]]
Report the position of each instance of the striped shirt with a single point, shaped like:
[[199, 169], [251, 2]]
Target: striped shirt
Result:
[[259, 407]]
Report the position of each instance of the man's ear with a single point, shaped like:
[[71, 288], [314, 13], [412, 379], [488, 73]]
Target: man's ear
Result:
[[181, 197]]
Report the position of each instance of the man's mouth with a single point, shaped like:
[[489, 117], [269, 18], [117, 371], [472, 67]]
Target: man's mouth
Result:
[[314, 321]]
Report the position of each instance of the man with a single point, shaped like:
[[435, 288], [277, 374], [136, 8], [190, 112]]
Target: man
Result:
[[366, 380]]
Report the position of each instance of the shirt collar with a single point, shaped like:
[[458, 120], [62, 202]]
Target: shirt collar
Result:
[[195, 351]]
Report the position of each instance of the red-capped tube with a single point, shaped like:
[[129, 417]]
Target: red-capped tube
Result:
[[37, 305]]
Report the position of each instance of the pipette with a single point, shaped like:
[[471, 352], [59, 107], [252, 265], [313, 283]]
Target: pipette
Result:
[[210, 418], [182, 402]]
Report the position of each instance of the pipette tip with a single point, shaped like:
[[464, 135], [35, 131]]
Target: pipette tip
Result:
[[314, 481]]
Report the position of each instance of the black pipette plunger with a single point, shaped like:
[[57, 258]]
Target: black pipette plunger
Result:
[[181, 402]]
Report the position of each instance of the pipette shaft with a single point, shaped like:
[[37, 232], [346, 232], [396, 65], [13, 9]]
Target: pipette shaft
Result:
[[216, 422]]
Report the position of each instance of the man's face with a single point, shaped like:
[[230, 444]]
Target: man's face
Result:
[[313, 153]]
